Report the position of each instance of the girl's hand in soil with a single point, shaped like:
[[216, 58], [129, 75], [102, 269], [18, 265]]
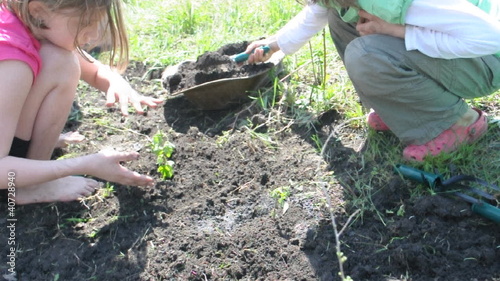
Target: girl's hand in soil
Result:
[[120, 90], [102, 77], [370, 24], [258, 54], [107, 165]]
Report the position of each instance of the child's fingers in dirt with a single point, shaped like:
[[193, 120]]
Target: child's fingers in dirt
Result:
[[119, 156], [136, 179], [151, 102], [107, 165]]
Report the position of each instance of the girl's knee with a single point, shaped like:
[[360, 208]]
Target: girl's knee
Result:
[[56, 60]]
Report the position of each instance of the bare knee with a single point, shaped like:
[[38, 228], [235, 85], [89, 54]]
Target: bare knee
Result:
[[59, 64]]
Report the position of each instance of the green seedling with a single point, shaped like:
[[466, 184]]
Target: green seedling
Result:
[[281, 194], [108, 190], [221, 140], [163, 149], [93, 234]]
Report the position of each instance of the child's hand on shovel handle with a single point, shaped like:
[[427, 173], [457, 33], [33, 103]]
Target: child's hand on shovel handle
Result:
[[261, 51]]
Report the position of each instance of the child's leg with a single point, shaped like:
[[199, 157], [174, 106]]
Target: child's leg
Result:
[[42, 120], [48, 104], [342, 33], [418, 97]]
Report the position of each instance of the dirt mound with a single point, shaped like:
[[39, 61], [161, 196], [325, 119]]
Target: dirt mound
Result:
[[211, 66]]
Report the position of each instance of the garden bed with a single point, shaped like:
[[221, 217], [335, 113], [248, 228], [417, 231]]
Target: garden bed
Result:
[[220, 217]]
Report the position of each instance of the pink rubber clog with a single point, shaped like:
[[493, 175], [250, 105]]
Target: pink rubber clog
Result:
[[448, 140], [375, 122]]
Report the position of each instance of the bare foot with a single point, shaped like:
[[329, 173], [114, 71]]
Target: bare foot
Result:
[[60, 190], [69, 138]]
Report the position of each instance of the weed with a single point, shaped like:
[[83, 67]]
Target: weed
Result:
[[93, 234], [224, 138], [317, 141], [281, 194], [163, 150], [108, 190], [266, 100], [224, 265], [401, 211]]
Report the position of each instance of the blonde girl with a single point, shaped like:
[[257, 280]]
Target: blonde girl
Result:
[[41, 63]]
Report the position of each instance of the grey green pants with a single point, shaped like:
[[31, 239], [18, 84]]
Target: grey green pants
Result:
[[417, 96]]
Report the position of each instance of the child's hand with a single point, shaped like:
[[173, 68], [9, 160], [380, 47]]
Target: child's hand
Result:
[[120, 90], [107, 165], [370, 24], [257, 54]]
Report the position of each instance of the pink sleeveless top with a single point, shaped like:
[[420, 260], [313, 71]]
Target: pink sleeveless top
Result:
[[17, 42]]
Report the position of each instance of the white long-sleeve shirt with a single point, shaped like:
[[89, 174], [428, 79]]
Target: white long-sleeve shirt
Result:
[[438, 28]]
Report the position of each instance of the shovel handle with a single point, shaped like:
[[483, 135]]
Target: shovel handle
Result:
[[431, 180], [486, 210], [241, 57]]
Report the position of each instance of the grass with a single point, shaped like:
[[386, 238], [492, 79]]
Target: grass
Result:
[[177, 30]]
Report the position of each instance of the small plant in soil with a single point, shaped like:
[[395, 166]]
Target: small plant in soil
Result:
[[108, 190], [281, 194], [163, 149]]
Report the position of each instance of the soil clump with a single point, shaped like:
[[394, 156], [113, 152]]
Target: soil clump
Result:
[[211, 66]]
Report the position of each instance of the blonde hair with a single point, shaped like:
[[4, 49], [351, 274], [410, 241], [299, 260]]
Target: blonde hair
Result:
[[113, 22]]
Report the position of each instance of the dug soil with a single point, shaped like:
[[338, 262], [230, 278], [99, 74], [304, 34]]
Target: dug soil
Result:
[[226, 213], [211, 66]]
